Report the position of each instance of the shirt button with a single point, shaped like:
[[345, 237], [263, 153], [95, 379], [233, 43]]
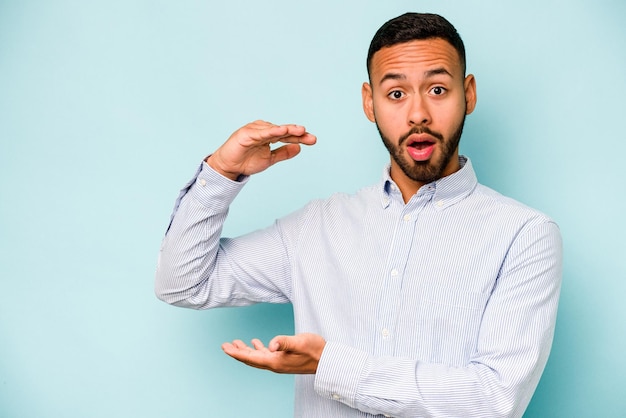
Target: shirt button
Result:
[[336, 397], [385, 333], [407, 217], [202, 182], [440, 203], [394, 272]]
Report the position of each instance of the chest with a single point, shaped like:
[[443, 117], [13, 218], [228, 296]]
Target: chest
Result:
[[408, 284]]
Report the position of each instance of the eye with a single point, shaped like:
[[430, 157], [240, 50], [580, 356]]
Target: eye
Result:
[[438, 91], [396, 95]]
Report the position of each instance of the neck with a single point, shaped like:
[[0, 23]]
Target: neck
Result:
[[409, 187]]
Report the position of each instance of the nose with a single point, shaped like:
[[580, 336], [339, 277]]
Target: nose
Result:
[[418, 112]]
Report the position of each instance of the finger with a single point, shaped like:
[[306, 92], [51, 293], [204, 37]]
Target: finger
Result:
[[264, 131], [261, 123], [295, 130], [285, 133], [258, 345], [306, 139], [260, 359], [237, 350], [284, 129], [284, 153], [269, 136], [240, 345], [229, 349]]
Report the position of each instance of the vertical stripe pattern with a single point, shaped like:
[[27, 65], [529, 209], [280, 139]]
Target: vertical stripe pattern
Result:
[[444, 306]]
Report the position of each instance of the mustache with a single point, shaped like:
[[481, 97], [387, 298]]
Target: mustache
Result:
[[420, 130]]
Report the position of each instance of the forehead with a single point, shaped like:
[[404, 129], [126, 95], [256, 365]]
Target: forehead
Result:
[[419, 55]]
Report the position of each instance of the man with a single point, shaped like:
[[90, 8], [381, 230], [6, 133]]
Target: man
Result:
[[427, 294]]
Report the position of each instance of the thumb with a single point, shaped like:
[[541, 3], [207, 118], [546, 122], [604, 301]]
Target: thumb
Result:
[[285, 153], [281, 343]]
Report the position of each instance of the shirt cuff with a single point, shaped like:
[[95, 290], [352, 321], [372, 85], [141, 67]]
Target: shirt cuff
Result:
[[210, 189], [215, 191], [338, 373]]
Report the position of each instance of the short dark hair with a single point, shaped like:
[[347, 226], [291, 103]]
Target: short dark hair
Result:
[[415, 26]]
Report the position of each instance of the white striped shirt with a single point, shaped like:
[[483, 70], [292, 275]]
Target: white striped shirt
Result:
[[442, 307]]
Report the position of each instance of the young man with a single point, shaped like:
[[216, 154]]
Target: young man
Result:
[[426, 294]]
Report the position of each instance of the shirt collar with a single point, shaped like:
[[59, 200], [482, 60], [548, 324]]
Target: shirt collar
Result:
[[444, 192]]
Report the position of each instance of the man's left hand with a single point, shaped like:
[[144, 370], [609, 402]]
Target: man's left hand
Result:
[[298, 354]]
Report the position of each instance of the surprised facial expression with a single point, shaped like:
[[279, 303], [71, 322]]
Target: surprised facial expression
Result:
[[418, 98]]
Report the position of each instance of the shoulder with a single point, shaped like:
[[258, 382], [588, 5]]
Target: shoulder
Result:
[[336, 208], [506, 210], [340, 202]]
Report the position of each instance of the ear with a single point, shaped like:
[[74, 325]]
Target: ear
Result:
[[368, 101], [470, 93]]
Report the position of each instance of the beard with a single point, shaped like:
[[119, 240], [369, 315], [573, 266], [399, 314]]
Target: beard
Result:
[[424, 171]]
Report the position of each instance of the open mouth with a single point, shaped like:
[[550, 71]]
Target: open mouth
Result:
[[420, 147]]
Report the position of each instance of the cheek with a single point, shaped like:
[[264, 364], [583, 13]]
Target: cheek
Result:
[[451, 116], [389, 127], [386, 115]]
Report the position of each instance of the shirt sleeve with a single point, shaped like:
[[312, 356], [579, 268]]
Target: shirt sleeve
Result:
[[500, 378], [198, 269]]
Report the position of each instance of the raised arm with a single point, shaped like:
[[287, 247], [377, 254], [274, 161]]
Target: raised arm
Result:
[[192, 254]]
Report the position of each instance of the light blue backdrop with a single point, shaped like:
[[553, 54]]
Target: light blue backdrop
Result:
[[106, 108]]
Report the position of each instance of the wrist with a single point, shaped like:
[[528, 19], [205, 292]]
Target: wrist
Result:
[[214, 163]]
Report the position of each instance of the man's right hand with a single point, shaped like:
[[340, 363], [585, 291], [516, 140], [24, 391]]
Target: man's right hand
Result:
[[248, 151]]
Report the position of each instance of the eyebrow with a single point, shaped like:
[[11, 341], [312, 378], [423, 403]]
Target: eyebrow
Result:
[[436, 71], [392, 76], [427, 74]]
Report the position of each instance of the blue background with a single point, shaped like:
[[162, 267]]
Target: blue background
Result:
[[107, 107]]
